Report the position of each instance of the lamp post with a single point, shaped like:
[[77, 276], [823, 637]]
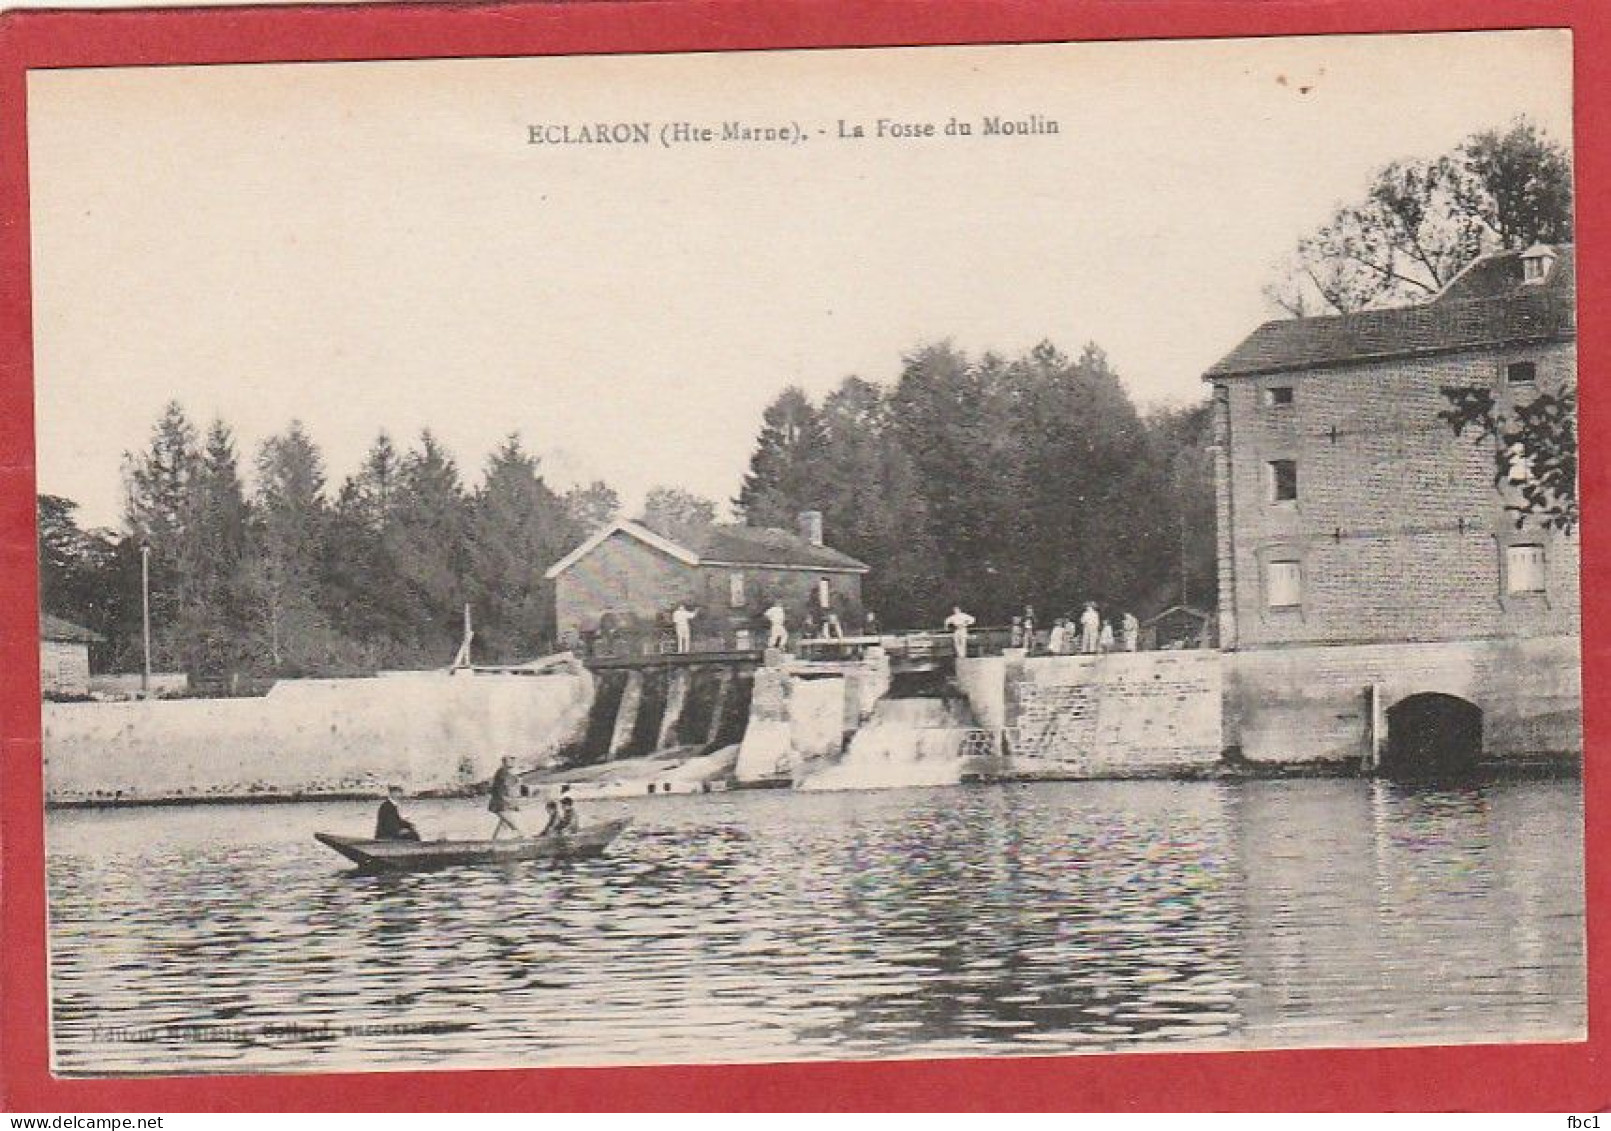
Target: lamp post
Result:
[[145, 616]]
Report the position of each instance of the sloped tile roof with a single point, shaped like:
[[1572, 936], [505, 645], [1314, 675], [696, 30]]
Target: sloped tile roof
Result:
[[65, 631], [768, 545], [1486, 306], [723, 545]]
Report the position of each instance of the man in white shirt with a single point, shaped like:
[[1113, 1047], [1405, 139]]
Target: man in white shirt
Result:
[[1090, 628], [682, 618], [959, 622], [778, 635]]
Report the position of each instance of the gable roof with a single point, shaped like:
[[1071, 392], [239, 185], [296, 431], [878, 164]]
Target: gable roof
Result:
[[65, 631], [631, 529], [770, 546], [761, 546], [1484, 306]]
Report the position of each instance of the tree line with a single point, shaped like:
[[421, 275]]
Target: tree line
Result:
[[994, 482], [293, 577]]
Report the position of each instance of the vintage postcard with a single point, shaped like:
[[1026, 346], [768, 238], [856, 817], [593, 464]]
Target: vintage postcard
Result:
[[830, 555]]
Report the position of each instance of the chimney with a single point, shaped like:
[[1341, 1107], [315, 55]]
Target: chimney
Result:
[[811, 527]]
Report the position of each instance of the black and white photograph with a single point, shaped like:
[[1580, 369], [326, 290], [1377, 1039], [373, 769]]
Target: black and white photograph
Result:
[[817, 555]]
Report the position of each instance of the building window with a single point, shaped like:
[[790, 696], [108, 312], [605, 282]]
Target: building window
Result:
[[1524, 568], [1520, 467], [1283, 584], [824, 593], [735, 590], [1521, 373], [1278, 396], [1283, 480]]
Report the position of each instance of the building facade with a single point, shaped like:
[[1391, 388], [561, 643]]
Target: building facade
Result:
[[626, 580], [1352, 518]]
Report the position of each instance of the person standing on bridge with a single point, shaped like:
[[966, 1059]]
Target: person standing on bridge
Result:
[[1029, 630], [1090, 628], [1104, 642], [1057, 638], [682, 618], [777, 635], [959, 622], [1132, 632], [832, 629]]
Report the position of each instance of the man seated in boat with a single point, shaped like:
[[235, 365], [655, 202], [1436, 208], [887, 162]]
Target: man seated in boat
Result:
[[555, 820], [390, 824], [505, 798], [569, 822]]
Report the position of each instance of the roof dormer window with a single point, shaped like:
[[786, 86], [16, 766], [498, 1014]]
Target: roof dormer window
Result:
[[1536, 262]]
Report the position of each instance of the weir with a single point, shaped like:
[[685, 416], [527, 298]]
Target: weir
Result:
[[908, 740], [695, 703]]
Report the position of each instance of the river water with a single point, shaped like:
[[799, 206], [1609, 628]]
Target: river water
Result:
[[976, 920]]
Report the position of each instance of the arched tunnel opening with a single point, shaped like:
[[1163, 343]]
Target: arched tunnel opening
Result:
[[1432, 735]]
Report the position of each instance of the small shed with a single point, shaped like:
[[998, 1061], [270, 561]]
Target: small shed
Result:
[[1179, 626], [64, 668]]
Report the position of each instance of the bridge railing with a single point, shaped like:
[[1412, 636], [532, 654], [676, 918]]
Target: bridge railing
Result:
[[918, 645], [921, 644]]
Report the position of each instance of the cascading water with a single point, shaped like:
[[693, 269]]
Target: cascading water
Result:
[[905, 742], [643, 711]]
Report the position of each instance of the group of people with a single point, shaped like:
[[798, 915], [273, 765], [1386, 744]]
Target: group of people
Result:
[[1089, 634], [777, 626], [390, 824]]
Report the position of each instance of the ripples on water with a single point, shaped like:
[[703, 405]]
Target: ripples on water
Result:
[[760, 926]]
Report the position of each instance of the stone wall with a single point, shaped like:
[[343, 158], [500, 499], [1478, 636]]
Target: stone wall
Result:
[[1400, 533], [1293, 705], [1123, 713], [64, 667], [430, 732]]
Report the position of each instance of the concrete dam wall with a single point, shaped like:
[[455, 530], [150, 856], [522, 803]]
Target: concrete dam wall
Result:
[[429, 731]]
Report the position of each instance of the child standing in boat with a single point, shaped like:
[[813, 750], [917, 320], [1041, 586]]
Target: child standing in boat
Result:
[[505, 798]]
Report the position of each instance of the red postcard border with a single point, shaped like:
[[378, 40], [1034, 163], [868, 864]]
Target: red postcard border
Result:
[[1472, 1078]]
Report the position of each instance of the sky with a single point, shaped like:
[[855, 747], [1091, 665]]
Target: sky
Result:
[[369, 246]]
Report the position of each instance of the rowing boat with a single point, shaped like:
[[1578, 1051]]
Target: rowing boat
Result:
[[416, 855]]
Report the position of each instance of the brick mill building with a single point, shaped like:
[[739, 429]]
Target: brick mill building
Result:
[[1377, 601], [626, 579]]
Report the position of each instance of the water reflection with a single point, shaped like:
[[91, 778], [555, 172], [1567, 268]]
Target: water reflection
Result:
[[1053, 918]]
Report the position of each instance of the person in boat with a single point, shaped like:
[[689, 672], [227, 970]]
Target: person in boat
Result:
[[555, 819], [505, 798], [390, 824], [569, 822]]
